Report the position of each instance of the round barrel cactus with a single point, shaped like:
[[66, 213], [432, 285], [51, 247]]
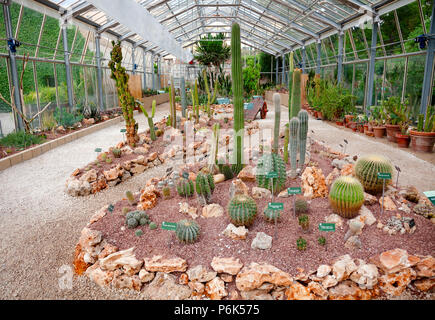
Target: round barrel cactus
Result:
[[346, 196], [270, 162], [242, 210], [187, 231], [367, 169]]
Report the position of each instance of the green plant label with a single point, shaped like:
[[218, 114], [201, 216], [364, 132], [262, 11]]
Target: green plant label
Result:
[[98, 149], [223, 101], [430, 195], [327, 226], [384, 175], [276, 205], [272, 174], [172, 226], [123, 130], [110, 208], [294, 190]]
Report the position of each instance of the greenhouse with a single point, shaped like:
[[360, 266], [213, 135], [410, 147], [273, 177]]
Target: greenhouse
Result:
[[217, 150]]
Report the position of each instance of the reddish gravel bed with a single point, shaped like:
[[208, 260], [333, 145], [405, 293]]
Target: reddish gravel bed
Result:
[[283, 254]]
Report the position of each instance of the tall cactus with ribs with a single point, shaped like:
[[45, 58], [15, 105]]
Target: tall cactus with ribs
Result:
[[195, 102], [119, 74], [210, 98], [236, 72], [290, 84], [215, 147], [277, 103], [183, 97], [294, 137], [295, 105], [303, 130], [150, 118], [172, 104]]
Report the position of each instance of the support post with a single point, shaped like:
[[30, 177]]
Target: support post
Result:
[[319, 56], [133, 60], [283, 69], [159, 70], [153, 72], [340, 57], [303, 59], [13, 68], [144, 76], [428, 67], [276, 69], [67, 65], [371, 67], [99, 73]]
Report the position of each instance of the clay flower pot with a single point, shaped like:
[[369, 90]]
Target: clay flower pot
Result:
[[315, 114], [361, 128], [379, 132], [392, 129], [319, 115], [349, 117], [366, 128], [402, 140], [352, 125], [339, 122], [422, 141]]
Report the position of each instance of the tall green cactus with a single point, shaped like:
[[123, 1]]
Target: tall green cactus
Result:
[[210, 98], [290, 84], [294, 137], [150, 119], [277, 103], [242, 210], [172, 104], [296, 93], [271, 162], [215, 147], [195, 96], [183, 97], [204, 187], [303, 130], [286, 141], [236, 73]]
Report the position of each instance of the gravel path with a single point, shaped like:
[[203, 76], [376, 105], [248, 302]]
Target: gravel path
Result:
[[40, 224]]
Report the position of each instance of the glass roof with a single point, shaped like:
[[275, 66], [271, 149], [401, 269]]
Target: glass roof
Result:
[[273, 26]]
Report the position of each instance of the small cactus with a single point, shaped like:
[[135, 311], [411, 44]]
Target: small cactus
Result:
[[187, 231], [185, 187], [367, 169], [130, 197], [166, 192], [152, 225], [294, 139], [321, 241], [143, 221], [346, 196], [304, 221], [116, 152], [125, 210], [205, 186], [271, 215], [150, 118], [270, 162], [301, 206], [301, 244], [135, 218], [242, 210], [138, 232], [132, 223], [227, 171], [108, 160]]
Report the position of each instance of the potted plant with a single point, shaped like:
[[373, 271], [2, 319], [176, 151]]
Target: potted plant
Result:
[[377, 122], [402, 137], [423, 138], [390, 108], [339, 122]]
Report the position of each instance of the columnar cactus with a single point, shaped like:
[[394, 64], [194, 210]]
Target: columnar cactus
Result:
[[205, 186], [227, 171], [270, 162], [215, 147], [187, 231], [183, 97], [346, 196], [172, 104], [294, 137], [286, 141], [367, 169], [236, 73], [195, 101], [296, 93], [277, 103], [242, 210], [150, 118], [210, 98], [290, 84], [303, 130], [185, 187]]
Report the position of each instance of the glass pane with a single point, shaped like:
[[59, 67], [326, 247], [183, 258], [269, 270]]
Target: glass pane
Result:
[[79, 85], [29, 30], [61, 85], [91, 86], [394, 77], [390, 34], [49, 38], [414, 81], [378, 85], [360, 82]]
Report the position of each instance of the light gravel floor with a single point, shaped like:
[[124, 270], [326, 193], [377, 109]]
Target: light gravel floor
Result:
[[40, 224]]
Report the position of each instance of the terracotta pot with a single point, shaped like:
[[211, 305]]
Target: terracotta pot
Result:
[[315, 114], [366, 128], [361, 128], [422, 141], [339, 123], [392, 129], [319, 115], [349, 117], [379, 132], [352, 125], [402, 140]]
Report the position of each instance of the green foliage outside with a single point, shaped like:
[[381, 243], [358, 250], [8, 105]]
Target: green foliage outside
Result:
[[20, 139], [251, 77]]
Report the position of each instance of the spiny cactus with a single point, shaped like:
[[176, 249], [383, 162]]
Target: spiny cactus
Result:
[[185, 187], [227, 171], [346, 196], [116, 152], [301, 206], [166, 192], [270, 162], [277, 104], [152, 225], [296, 93], [271, 215], [304, 221], [183, 97], [303, 130], [286, 142], [210, 98], [125, 210], [301, 244], [215, 146], [367, 168], [172, 104], [150, 119], [132, 223], [135, 218], [290, 82], [237, 83], [294, 137], [205, 186], [187, 231], [242, 210], [195, 102], [130, 197]]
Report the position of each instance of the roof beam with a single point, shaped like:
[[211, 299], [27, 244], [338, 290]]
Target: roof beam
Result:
[[107, 26], [126, 35], [360, 5], [79, 9], [138, 19]]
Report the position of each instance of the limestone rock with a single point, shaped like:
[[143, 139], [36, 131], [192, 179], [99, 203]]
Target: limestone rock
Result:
[[218, 178], [200, 274], [318, 290], [395, 283], [261, 241], [297, 291], [113, 173], [348, 170], [389, 204], [197, 287], [148, 199], [215, 289], [348, 290], [108, 249], [410, 193], [236, 233], [332, 176], [356, 226], [140, 150], [90, 238], [122, 259], [343, 267], [89, 176], [137, 168], [323, 270], [329, 281], [152, 157], [101, 277], [366, 276], [238, 187], [259, 193], [75, 187], [252, 277], [160, 264], [369, 199], [186, 209], [425, 284], [395, 260], [313, 183], [226, 277], [367, 216], [247, 174], [98, 215], [229, 265], [353, 243], [164, 287], [425, 267], [334, 218], [146, 276], [127, 282], [256, 295], [212, 211]]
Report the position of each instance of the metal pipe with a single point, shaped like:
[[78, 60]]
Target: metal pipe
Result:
[[319, 56], [99, 74], [371, 67], [133, 60], [276, 70], [283, 69], [67, 65], [303, 59], [13, 68], [144, 76], [340, 57]]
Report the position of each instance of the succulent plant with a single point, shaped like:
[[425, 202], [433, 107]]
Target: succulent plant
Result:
[[367, 169], [130, 197], [303, 130], [242, 210], [132, 223], [301, 244], [185, 187], [227, 171], [135, 218], [301, 206], [321, 241], [125, 210], [277, 104], [159, 132], [183, 97], [271, 162], [152, 225], [116, 152], [143, 221], [150, 118], [304, 221], [346, 196], [286, 142], [187, 231], [166, 192], [296, 93], [108, 160], [271, 215], [138, 232], [205, 186], [294, 140]]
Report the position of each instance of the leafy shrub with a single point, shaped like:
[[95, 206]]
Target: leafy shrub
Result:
[[21, 139], [67, 119]]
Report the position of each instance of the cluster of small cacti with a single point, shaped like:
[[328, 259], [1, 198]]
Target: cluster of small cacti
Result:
[[150, 119], [301, 206], [205, 186], [271, 162], [304, 221], [277, 104], [301, 244], [346, 196], [271, 215], [185, 187], [130, 197], [136, 218], [116, 152], [367, 169], [187, 231], [242, 210], [237, 83]]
